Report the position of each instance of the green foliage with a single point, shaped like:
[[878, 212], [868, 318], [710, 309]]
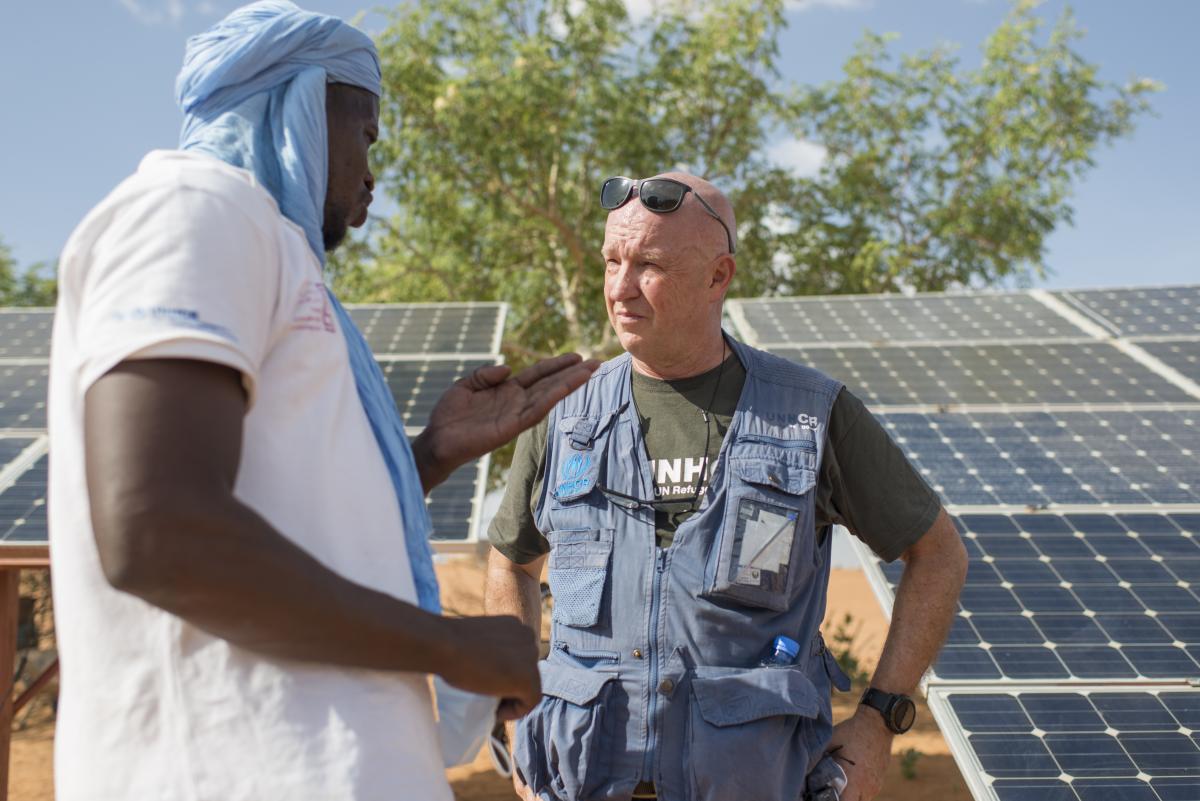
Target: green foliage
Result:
[[34, 286], [939, 176], [848, 630], [908, 763], [502, 117]]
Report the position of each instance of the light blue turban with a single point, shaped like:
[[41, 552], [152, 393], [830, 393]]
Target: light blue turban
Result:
[[252, 91]]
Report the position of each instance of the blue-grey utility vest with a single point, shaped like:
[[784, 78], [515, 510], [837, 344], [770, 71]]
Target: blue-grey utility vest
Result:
[[653, 668]]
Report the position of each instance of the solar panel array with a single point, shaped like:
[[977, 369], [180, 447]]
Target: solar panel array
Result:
[[421, 348], [1061, 431]]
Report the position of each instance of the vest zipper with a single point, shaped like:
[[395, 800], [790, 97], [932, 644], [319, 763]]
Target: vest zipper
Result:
[[660, 560]]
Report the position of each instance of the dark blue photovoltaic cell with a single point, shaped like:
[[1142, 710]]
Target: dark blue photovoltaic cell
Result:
[[25, 333], [1038, 458], [1091, 597], [11, 448], [23, 395], [897, 318], [1077, 746], [1146, 311], [1183, 356], [988, 374], [23, 506], [451, 503], [428, 328], [1033, 790], [417, 385]]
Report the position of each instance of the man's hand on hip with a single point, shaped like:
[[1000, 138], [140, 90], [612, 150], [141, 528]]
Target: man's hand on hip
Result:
[[483, 411], [862, 745]]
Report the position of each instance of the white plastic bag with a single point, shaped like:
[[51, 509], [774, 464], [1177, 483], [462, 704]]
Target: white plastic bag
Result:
[[465, 720]]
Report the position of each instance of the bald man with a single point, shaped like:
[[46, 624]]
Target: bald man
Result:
[[684, 497]]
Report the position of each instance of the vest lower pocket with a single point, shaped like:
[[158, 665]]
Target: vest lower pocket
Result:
[[564, 746], [748, 733], [578, 574]]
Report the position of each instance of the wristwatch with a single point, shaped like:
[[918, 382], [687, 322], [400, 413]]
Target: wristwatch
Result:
[[899, 712]]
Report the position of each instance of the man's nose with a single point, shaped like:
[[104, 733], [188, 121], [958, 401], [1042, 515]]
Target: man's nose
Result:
[[370, 182], [623, 283]]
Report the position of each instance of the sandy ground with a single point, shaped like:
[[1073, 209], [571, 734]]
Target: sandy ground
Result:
[[936, 776]]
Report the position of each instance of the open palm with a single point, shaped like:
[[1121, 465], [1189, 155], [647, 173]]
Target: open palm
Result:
[[481, 412]]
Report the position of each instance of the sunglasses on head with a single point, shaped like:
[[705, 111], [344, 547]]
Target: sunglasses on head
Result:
[[660, 195]]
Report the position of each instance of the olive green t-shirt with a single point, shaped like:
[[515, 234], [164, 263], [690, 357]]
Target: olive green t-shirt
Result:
[[865, 484]]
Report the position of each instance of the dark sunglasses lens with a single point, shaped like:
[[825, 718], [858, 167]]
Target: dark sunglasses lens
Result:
[[615, 192], [661, 196]]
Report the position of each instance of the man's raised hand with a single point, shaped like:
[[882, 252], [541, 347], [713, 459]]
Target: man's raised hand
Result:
[[481, 412]]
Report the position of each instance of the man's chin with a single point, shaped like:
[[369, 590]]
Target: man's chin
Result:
[[331, 237]]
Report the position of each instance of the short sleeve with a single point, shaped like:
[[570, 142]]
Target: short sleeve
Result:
[[513, 531], [178, 272], [869, 486]]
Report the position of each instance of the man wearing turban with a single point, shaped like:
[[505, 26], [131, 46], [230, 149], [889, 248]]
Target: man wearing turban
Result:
[[245, 599]]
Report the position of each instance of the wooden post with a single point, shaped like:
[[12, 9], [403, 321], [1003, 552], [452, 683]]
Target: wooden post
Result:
[[10, 581]]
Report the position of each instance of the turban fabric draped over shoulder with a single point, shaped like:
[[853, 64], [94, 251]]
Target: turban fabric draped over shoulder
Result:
[[252, 91]]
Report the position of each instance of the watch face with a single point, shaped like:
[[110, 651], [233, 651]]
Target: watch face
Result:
[[904, 714]]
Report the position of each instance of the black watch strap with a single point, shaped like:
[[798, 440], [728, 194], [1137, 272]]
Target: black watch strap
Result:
[[899, 712]]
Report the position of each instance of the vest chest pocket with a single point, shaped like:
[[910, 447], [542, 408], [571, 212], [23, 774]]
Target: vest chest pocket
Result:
[[579, 563], [768, 523]]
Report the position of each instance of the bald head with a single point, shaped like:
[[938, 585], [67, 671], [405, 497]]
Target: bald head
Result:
[[716, 200]]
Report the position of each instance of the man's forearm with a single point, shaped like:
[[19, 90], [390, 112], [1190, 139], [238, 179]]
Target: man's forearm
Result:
[[226, 570], [926, 602], [514, 590]]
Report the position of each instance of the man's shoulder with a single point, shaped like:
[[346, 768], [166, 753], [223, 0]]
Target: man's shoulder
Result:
[[769, 367], [166, 170], [165, 183]]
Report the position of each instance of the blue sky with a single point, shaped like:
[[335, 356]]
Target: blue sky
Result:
[[86, 90]]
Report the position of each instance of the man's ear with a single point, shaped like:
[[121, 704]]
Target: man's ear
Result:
[[722, 274]]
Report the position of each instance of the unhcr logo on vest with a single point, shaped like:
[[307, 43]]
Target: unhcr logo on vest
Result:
[[573, 476]]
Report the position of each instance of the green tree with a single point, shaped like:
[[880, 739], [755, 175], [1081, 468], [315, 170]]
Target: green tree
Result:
[[34, 286], [502, 117], [938, 176]]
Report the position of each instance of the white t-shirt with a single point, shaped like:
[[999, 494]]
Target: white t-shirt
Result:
[[191, 258]]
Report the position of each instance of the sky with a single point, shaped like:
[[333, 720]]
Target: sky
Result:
[[86, 89]]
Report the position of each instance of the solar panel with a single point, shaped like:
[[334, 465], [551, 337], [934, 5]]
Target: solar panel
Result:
[[1081, 596], [11, 447], [897, 318], [417, 384], [452, 503], [23, 506], [430, 328], [989, 374], [23, 395], [1038, 458], [1097, 744], [1183, 355], [25, 334], [1153, 311]]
